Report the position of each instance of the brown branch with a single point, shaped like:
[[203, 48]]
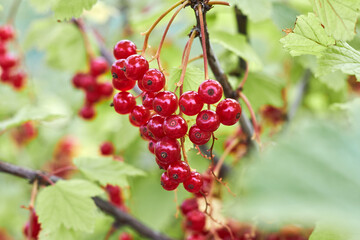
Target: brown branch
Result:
[[105, 206]]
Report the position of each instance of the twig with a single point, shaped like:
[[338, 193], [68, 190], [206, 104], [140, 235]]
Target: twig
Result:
[[105, 206], [12, 13]]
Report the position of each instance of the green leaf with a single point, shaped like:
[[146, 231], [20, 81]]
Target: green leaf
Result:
[[308, 37], [256, 10], [311, 174], [60, 233], [28, 114], [68, 204], [338, 17], [336, 80], [106, 170], [59, 41], [193, 78], [239, 46], [324, 231], [340, 57]]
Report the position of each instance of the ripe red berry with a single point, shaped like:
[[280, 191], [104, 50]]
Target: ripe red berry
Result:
[[8, 61], [153, 80], [88, 82], [35, 226], [210, 91], [139, 116], [87, 112], [144, 132], [18, 80], [167, 150], [124, 49], [125, 236], [106, 89], [77, 80], [5, 75], [167, 183], [151, 146], [165, 103], [197, 236], [98, 66], [6, 32], [189, 205], [148, 99], [115, 195], [175, 126], [190, 103], [198, 136], [136, 66], [178, 171], [156, 126], [193, 183], [195, 220], [3, 49], [107, 148], [208, 121], [117, 69], [124, 102], [229, 111], [123, 84], [93, 95], [162, 165]]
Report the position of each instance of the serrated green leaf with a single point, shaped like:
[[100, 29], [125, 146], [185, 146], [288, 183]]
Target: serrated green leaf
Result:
[[256, 10], [28, 114], [193, 78], [59, 41], [338, 17], [340, 57], [68, 204], [312, 174], [106, 170], [325, 231], [335, 80], [239, 46], [59, 234], [308, 37]]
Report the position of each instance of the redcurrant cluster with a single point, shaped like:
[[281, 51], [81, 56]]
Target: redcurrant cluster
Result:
[[32, 228], [195, 220], [8, 62], [94, 90], [156, 117], [24, 133]]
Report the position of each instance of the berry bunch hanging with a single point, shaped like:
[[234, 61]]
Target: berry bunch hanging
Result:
[[94, 90], [9, 63]]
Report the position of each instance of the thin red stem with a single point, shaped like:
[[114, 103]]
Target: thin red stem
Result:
[[219, 3], [202, 29], [241, 85], [252, 114]]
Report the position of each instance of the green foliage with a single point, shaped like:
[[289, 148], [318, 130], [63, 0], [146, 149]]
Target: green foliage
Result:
[[106, 170], [313, 176], [325, 231], [67, 204], [308, 37], [257, 10], [27, 114], [338, 17], [239, 46], [193, 78]]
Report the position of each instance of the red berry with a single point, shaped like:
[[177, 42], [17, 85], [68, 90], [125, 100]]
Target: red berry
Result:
[[6, 75], [98, 66], [162, 165], [165, 103], [3, 49], [139, 116], [35, 226], [125, 236], [18, 80], [196, 236], [115, 195], [178, 171], [118, 69], [198, 136], [153, 80], [136, 66], [167, 183], [93, 95], [144, 132], [87, 112], [190, 103], [6, 32], [210, 91], [195, 220], [88, 82], [189, 205], [151, 146], [124, 49], [124, 102], [193, 183], [123, 84], [148, 99], [175, 126], [107, 148], [156, 126], [77, 80], [208, 120], [229, 111], [106, 89], [167, 150], [8, 61]]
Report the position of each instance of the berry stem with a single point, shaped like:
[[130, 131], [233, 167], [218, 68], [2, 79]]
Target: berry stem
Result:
[[195, 58], [13, 11], [218, 3], [224, 155], [202, 29], [157, 55], [186, 58], [148, 32], [246, 74], [31, 207], [110, 232], [253, 117], [89, 52], [182, 143], [63, 169]]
